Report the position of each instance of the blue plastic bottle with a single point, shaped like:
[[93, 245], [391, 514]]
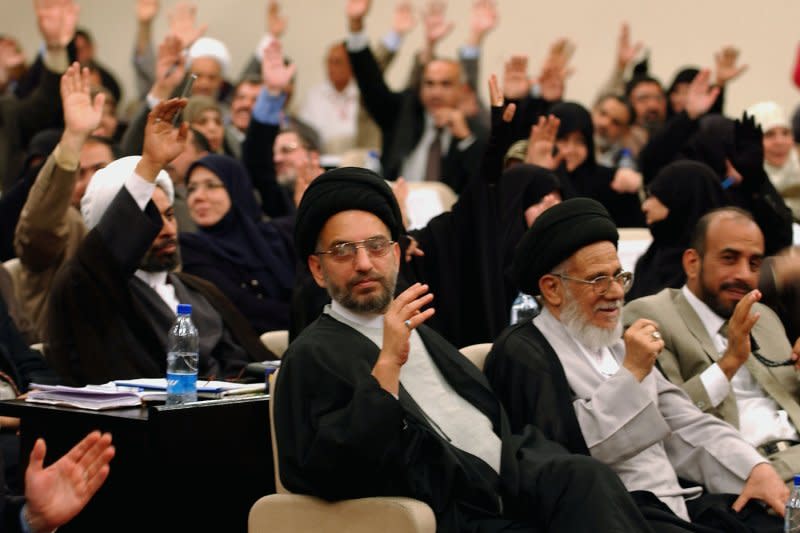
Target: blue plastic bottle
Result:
[[182, 358]]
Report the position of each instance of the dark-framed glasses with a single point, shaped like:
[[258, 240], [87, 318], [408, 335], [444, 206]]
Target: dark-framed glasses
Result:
[[346, 251], [601, 284]]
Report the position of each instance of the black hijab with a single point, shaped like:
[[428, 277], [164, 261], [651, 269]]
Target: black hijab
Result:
[[690, 190], [590, 179], [240, 238]]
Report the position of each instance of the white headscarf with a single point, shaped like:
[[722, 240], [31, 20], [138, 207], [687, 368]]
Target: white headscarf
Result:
[[107, 182], [209, 47]]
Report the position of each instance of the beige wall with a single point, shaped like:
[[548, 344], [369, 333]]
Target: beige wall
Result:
[[677, 32]]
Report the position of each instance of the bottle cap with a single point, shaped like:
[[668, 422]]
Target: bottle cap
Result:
[[797, 480], [184, 309]]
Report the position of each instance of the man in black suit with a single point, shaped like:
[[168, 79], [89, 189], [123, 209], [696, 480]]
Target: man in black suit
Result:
[[425, 134]]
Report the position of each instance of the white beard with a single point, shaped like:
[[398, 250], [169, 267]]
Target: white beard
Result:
[[584, 331]]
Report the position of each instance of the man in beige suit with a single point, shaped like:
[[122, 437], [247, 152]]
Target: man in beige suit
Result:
[[729, 352]]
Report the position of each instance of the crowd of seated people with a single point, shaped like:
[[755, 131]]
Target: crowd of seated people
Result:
[[269, 210]]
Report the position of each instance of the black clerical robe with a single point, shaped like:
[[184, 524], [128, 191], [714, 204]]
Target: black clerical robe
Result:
[[340, 435], [105, 324]]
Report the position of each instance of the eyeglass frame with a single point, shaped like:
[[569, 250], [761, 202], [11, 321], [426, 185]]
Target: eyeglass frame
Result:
[[619, 278], [355, 245]]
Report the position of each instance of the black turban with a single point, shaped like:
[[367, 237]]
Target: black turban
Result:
[[343, 189], [555, 235]]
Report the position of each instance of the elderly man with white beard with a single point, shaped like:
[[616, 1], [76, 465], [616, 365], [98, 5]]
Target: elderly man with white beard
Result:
[[572, 373]]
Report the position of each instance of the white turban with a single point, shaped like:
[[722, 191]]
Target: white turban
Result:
[[769, 115], [208, 47], [107, 182]]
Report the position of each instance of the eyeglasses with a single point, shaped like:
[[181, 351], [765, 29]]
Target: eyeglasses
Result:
[[208, 185], [346, 251], [287, 149], [602, 284]]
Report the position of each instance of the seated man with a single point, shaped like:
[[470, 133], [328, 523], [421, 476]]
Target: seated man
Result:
[[112, 304], [370, 401], [630, 417], [726, 373]]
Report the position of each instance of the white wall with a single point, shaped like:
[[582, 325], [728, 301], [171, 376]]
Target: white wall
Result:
[[677, 31]]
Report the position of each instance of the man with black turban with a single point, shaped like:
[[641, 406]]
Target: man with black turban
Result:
[[569, 372], [370, 401]]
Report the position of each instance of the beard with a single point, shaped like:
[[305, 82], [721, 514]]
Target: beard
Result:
[[374, 303], [582, 330], [156, 261], [287, 179], [711, 298]]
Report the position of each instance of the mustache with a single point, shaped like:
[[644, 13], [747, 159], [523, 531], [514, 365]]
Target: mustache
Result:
[[166, 242], [358, 279], [741, 285], [609, 306]]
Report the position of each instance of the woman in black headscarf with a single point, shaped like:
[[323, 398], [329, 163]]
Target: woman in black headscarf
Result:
[[579, 172], [680, 194], [250, 261]]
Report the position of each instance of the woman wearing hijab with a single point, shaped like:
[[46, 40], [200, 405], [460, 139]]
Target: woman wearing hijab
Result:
[[680, 194], [781, 161], [579, 172], [250, 261]]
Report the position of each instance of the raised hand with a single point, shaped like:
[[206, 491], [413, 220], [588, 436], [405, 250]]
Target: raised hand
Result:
[[57, 493], [403, 20], [496, 99], [307, 172], [182, 23], [356, 11], [403, 315], [276, 23], [482, 21], [436, 26], [170, 67], [726, 65], [516, 84], [555, 70], [57, 20], [747, 153], [146, 10], [641, 347], [163, 142], [276, 74], [626, 180], [10, 55], [541, 142], [81, 114], [740, 324], [626, 52], [701, 95]]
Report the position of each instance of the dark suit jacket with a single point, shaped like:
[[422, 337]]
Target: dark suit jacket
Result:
[[401, 118]]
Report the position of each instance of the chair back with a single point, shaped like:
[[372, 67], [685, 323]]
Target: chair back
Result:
[[276, 341], [279, 488], [477, 353]]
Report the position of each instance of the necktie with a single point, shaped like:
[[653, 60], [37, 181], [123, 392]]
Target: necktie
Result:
[[434, 163]]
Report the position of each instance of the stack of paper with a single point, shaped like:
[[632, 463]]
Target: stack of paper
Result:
[[205, 389], [95, 397]]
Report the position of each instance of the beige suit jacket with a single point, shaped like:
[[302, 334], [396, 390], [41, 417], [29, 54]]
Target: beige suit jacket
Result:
[[48, 233], [688, 351]]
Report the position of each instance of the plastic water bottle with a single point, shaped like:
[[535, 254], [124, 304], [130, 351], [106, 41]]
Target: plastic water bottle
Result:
[[791, 521], [182, 358], [524, 308], [626, 160]]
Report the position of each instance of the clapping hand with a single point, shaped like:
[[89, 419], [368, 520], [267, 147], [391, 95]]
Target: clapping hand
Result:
[[642, 347]]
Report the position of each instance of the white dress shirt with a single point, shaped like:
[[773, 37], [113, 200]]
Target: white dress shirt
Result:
[[760, 418], [142, 191], [333, 114]]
